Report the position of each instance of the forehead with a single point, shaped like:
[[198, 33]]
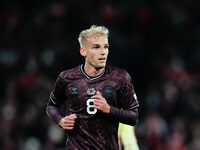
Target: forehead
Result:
[[98, 39]]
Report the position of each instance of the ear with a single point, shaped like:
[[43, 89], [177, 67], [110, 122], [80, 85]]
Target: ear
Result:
[[83, 52]]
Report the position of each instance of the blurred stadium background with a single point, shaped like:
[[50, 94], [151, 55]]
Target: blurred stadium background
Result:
[[156, 41]]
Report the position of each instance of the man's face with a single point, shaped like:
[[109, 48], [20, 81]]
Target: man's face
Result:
[[96, 51]]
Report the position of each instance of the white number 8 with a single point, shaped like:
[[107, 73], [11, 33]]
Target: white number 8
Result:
[[90, 109]]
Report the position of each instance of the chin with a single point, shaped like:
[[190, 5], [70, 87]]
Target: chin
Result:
[[100, 67]]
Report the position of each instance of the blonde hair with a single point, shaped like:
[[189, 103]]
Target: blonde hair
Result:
[[94, 30]]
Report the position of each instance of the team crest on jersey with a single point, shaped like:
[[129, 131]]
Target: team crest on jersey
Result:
[[91, 91], [108, 91], [74, 91]]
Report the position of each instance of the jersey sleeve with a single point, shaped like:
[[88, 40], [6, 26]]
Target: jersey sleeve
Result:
[[127, 99], [56, 99], [58, 96], [127, 110]]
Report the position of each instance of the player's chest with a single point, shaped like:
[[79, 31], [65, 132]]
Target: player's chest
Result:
[[82, 90]]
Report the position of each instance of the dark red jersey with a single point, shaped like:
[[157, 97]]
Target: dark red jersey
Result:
[[94, 130]]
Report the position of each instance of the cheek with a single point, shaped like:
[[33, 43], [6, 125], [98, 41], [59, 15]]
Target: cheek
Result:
[[107, 52], [91, 57]]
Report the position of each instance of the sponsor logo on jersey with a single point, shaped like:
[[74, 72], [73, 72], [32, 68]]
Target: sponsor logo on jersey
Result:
[[74, 91], [135, 96], [108, 91], [91, 91]]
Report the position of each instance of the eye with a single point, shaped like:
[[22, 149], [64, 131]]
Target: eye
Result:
[[95, 47], [106, 46]]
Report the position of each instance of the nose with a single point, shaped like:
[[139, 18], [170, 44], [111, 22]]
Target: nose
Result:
[[104, 51]]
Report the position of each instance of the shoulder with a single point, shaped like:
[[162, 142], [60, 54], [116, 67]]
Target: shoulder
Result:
[[70, 73], [118, 72]]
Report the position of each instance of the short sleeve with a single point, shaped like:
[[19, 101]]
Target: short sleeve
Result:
[[128, 98], [58, 96]]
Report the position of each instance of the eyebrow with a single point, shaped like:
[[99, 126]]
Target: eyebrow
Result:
[[99, 44]]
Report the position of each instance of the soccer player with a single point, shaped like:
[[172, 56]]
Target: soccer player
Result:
[[97, 97]]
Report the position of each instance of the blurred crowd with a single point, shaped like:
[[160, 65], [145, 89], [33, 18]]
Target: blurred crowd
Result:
[[156, 41]]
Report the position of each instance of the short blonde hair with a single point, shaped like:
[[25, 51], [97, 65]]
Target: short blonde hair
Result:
[[94, 30]]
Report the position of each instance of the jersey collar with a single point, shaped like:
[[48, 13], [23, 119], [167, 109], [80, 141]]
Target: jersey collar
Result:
[[91, 78]]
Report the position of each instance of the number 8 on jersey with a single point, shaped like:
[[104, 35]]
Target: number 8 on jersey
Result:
[[90, 109]]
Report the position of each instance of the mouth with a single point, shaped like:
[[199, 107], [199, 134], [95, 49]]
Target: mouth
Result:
[[102, 60]]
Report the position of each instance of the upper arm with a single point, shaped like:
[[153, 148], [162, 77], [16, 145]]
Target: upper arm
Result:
[[128, 99], [58, 95]]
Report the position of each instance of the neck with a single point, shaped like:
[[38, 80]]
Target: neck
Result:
[[92, 71]]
